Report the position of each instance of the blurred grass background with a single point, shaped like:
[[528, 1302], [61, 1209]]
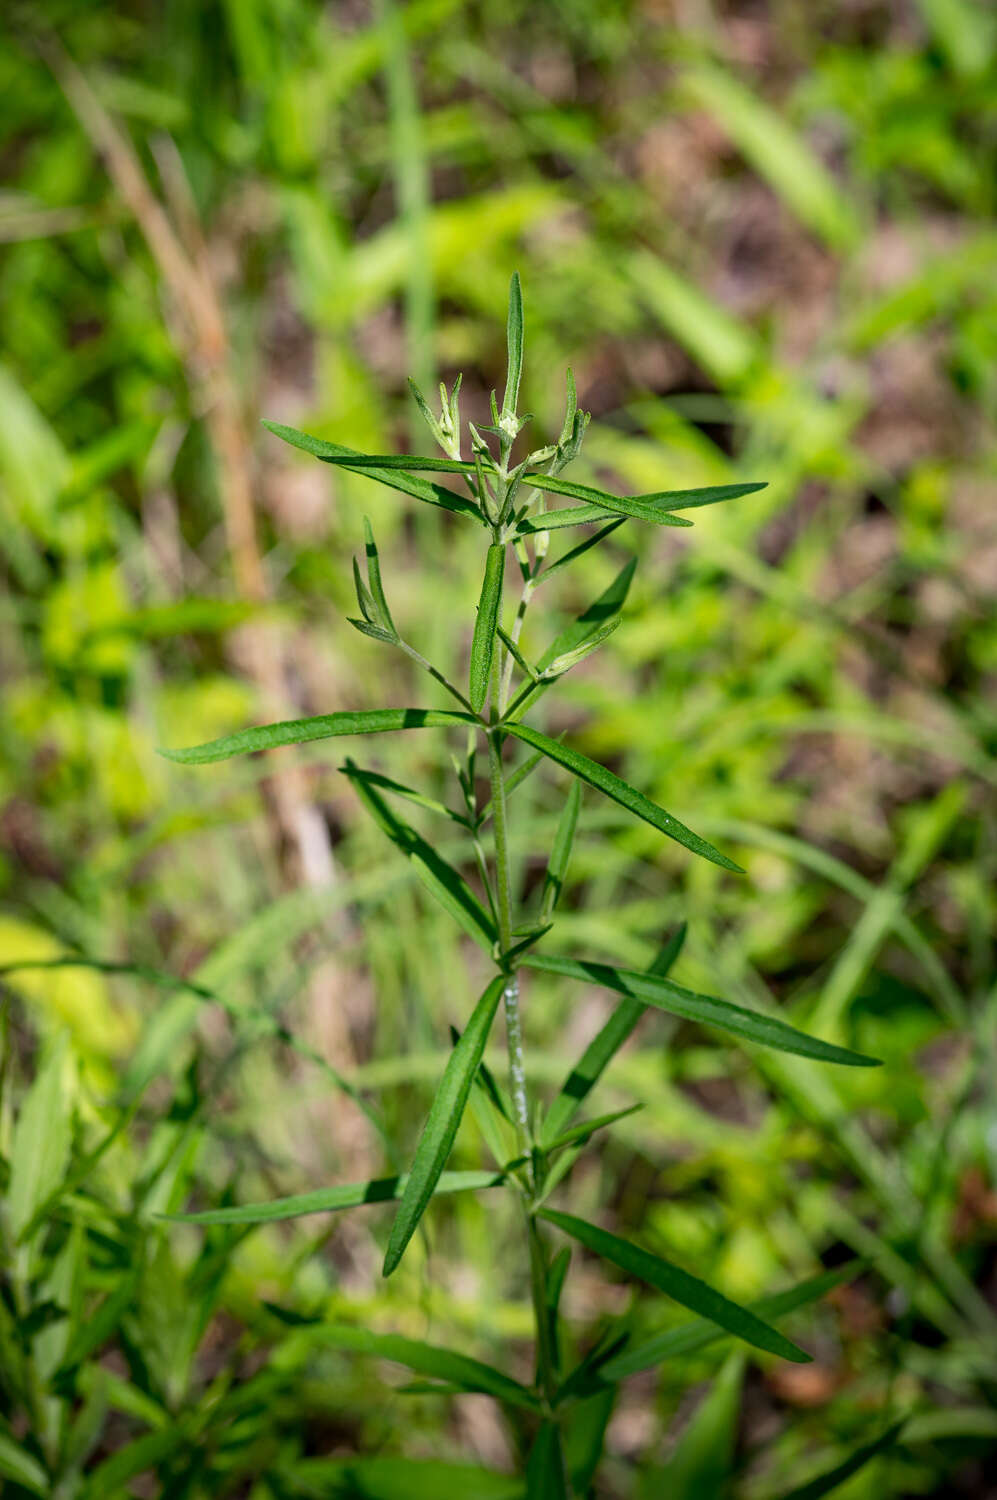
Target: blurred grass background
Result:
[[762, 235]]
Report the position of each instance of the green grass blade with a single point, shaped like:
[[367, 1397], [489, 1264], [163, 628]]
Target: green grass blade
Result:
[[691, 1338], [332, 1199], [604, 1047], [324, 727], [607, 782], [825, 1483], [588, 1128], [440, 878], [399, 789], [395, 479], [20, 1466], [560, 854], [677, 1284], [441, 1127], [349, 458], [514, 341], [483, 643], [652, 989]]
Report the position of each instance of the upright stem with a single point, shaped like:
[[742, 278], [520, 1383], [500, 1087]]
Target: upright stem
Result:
[[510, 995]]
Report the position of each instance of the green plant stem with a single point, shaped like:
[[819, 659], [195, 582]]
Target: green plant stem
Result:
[[510, 995], [541, 1313]]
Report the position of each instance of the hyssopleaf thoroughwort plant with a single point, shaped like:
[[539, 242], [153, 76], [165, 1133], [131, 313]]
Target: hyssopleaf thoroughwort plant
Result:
[[509, 502]]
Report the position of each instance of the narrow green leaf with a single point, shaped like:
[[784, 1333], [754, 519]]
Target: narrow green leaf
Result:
[[441, 1127], [399, 789], [585, 1437], [545, 1474], [483, 644], [395, 479], [514, 341], [41, 1142], [569, 659], [376, 632], [516, 654], [767, 1031], [582, 515], [677, 1284], [609, 783], [440, 878], [349, 458], [591, 620], [576, 552], [651, 507], [703, 1458], [374, 574], [825, 1483], [560, 854], [691, 1338], [332, 1199], [399, 1479], [325, 726], [22, 1467], [604, 1046], [588, 1128]]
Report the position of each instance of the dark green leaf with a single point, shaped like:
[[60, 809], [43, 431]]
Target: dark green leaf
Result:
[[440, 878], [825, 1483], [357, 463], [585, 1438], [349, 458], [690, 1338], [604, 1046], [483, 644], [22, 1467], [545, 1475], [609, 783], [514, 340], [387, 784], [400, 1479], [702, 1460], [331, 1199], [560, 854], [598, 614], [651, 507], [582, 515], [677, 1284], [325, 726], [577, 552], [441, 1127], [427, 1359], [376, 632], [767, 1031], [589, 1127]]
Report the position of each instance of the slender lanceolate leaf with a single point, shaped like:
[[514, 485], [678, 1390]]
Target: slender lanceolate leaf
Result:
[[576, 552], [824, 1484], [399, 789], [395, 479], [604, 1047], [545, 1470], [691, 1338], [609, 783], [332, 1199], [345, 458], [428, 1359], [483, 644], [323, 727], [374, 574], [651, 507], [583, 515], [514, 341], [17, 1464], [677, 1284], [560, 854], [663, 993], [702, 1460], [595, 618], [440, 878], [589, 1127], [441, 1127]]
